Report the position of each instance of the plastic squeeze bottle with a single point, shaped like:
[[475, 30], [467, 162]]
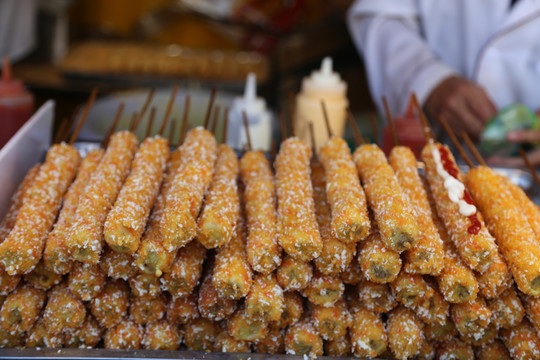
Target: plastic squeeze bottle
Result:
[[259, 119], [16, 104], [325, 85]]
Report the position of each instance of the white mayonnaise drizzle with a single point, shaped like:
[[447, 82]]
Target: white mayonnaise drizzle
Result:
[[454, 187]]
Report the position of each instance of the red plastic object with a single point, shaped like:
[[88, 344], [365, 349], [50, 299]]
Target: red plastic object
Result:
[[409, 131]]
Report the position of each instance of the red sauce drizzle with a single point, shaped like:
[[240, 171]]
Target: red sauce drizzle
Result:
[[451, 169]]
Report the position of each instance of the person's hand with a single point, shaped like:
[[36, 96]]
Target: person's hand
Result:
[[463, 104]]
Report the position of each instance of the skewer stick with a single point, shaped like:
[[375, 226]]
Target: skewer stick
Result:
[[150, 122], [84, 116], [61, 130], [529, 165], [215, 120], [358, 140], [134, 122], [291, 97], [473, 148], [455, 141], [209, 109], [373, 123], [326, 120], [282, 125], [171, 131], [183, 127], [113, 125], [246, 126], [146, 104], [425, 124], [169, 106], [225, 126], [312, 137], [391, 122]]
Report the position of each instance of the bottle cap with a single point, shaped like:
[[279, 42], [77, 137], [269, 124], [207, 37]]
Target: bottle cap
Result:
[[249, 102], [8, 86], [324, 80]]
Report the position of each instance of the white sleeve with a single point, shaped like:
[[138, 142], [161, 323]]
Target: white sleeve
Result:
[[397, 60]]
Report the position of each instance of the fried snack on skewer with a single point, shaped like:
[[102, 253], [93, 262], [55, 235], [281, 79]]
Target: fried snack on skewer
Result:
[[521, 341], [393, 213], [272, 343], [23, 247], [495, 350], [456, 209], [471, 318], [56, 254], [411, 289], [127, 335], [232, 275], [88, 335], [145, 310], [324, 290], [404, 332], [427, 351], [145, 285], [376, 297], [86, 281], [182, 309], [440, 331], [496, 279], [8, 340], [161, 335], [41, 277], [507, 309], [185, 271], [526, 205], [350, 221], [126, 221], [22, 308], [222, 205], [455, 349], [226, 343], [433, 309], [294, 274], [292, 309], [353, 273], [8, 283], [39, 336], [152, 257], [200, 334], [17, 201], [242, 326], [336, 255], [517, 241], [211, 305], [86, 240], [368, 335], [532, 307], [340, 347], [302, 338], [263, 249], [117, 265], [379, 264], [265, 300], [64, 312], [185, 197], [111, 305], [331, 321], [487, 336], [297, 225], [427, 256]]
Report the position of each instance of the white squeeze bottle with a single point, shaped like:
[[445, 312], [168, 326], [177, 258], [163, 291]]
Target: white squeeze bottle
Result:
[[323, 84], [259, 118]]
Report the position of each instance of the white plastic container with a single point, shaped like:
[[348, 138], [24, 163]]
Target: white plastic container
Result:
[[259, 119], [325, 85]]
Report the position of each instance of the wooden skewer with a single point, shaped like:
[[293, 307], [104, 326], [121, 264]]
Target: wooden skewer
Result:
[[183, 127], [169, 107], [146, 103], [84, 116], [246, 126], [61, 130], [326, 120], [358, 140], [391, 122], [529, 165], [473, 148], [425, 124], [150, 122], [291, 97], [455, 141], [209, 109], [282, 125], [134, 122], [373, 123], [215, 120], [114, 124], [312, 137], [171, 131], [225, 126]]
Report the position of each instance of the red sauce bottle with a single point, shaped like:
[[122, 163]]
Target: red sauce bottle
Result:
[[16, 104]]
